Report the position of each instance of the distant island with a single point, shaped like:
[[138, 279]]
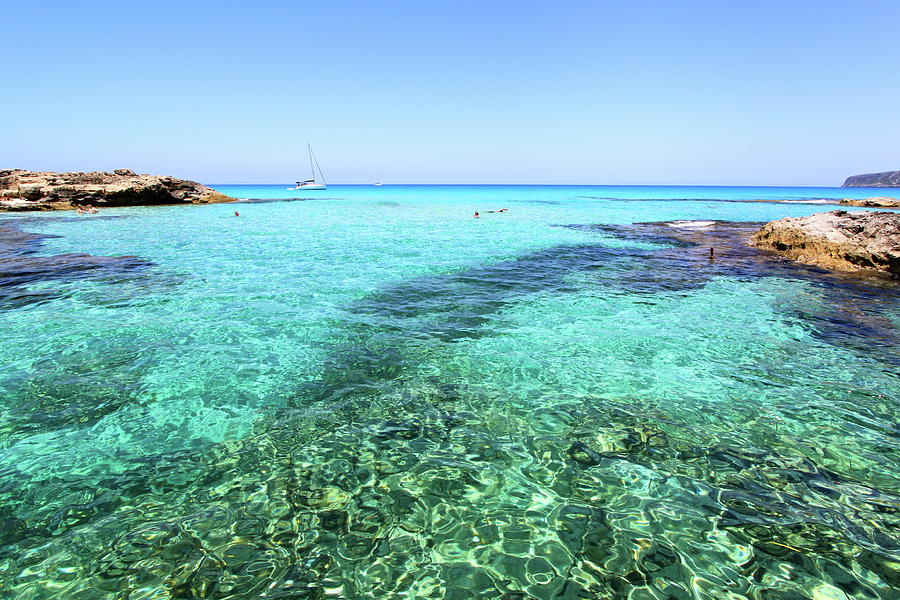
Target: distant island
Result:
[[885, 179], [33, 190]]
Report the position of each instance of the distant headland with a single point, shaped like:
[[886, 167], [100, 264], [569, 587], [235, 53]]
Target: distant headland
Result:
[[22, 190], [885, 179]]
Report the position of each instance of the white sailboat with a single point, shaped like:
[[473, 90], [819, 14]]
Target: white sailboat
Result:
[[312, 184]]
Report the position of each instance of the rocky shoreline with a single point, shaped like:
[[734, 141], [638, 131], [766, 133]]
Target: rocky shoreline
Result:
[[875, 202], [840, 240], [22, 190]]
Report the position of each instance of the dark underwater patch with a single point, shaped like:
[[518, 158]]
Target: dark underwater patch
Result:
[[391, 328], [21, 266], [851, 315]]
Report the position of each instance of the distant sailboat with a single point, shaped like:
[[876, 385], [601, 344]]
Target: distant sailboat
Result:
[[312, 184], [377, 182]]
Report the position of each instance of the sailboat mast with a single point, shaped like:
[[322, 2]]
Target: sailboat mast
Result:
[[317, 165], [312, 171]]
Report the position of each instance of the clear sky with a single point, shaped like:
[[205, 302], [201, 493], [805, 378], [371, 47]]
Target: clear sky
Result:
[[755, 93]]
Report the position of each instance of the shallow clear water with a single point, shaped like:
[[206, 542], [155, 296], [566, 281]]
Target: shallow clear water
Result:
[[367, 393]]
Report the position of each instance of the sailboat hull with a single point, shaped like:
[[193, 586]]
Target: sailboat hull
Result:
[[313, 182]]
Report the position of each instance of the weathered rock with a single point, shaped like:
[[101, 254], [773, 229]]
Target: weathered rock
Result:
[[875, 202], [837, 240], [31, 190], [885, 179]]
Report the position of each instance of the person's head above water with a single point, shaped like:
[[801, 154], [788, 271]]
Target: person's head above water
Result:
[[237, 214], [476, 214]]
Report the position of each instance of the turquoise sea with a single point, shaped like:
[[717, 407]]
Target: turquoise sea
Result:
[[368, 393]]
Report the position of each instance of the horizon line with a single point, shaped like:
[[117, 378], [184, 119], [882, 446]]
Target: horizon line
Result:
[[567, 185]]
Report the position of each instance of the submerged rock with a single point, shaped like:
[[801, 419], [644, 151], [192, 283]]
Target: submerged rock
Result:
[[22, 264], [875, 202], [837, 240], [30, 190]]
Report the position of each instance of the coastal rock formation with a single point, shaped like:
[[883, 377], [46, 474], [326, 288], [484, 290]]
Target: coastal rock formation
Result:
[[837, 240], [875, 202], [31, 190], [885, 179]]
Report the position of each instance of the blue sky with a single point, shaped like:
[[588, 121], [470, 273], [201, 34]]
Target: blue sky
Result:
[[762, 93]]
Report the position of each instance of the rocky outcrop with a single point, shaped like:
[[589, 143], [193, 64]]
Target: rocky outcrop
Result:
[[885, 179], [31, 190], [838, 239], [876, 202]]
